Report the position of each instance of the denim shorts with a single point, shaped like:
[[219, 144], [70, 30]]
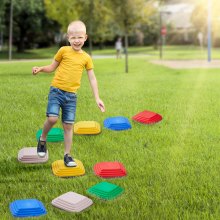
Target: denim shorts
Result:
[[59, 99]]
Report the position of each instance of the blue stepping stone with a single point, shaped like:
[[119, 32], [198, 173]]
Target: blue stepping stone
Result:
[[27, 208], [117, 123]]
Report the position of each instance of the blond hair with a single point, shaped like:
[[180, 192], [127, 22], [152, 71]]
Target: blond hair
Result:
[[76, 26]]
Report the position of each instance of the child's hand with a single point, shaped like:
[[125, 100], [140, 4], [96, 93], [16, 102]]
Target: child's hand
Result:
[[36, 70], [100, 105]]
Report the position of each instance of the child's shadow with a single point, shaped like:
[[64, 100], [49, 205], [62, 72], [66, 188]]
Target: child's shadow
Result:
[[12, 170]]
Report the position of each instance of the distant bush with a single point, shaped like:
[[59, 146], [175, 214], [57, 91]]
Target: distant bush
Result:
[[180, 38]]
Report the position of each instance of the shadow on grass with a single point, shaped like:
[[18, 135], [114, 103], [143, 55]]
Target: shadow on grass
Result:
[[11, 169]]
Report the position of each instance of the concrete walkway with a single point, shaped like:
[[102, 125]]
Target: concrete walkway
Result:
[[93, 57], [187, 64], [37, 60]]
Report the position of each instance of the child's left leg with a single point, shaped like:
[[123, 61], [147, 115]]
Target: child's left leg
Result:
[[68, 135], [68, 117]]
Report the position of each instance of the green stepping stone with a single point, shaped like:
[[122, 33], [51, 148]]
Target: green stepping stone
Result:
[[54, 135], [105, 190]]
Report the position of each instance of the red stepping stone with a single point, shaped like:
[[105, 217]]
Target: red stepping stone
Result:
[[147, 117], [110, 169]]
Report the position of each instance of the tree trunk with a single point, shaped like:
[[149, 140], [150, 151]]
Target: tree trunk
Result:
[[10, 32], [21, 40], [1, 39], [91, 7], [101, 45], [20, 45]]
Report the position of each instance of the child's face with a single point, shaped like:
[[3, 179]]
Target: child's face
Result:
[[77, 40]]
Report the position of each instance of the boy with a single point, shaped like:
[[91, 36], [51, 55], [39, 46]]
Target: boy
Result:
[[69, 63]]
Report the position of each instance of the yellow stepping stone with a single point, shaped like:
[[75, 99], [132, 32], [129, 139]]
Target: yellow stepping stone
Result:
[[87, 127], [59, 169]]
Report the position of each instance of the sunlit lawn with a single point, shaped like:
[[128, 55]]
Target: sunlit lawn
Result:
[[173, 166]]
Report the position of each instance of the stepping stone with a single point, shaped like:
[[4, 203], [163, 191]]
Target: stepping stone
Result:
[[87, 127], [109, 169], [147, 117], [29, 155], [61, 170], [105, 190], [72, 202], [54, 135], [117, 123], [27, 208]]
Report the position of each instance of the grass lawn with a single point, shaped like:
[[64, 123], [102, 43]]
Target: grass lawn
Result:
[[169, 52], [173, 166]]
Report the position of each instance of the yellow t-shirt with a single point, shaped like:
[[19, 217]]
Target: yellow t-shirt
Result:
[[69, 72]]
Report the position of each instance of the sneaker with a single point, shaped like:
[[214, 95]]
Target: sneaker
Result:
[[41, 148], [68, 161]]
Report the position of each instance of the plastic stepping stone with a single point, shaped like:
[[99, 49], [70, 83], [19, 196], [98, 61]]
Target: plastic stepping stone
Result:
[[109, 169], [87, 127], [105, 190], [117, 123], [147, 117], [54, 135], [27, 208], [72, 202], [29, 155], [59, 169]]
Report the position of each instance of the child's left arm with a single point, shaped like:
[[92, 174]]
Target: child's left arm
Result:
[[94, 86]]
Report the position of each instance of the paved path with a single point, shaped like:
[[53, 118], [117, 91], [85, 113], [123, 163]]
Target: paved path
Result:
[[188, 64], [37, 60], [93, 57], [174, 64]]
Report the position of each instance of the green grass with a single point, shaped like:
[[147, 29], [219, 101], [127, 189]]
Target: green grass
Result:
[[188, 53], [173, 166], [169, 52], [31, 54]]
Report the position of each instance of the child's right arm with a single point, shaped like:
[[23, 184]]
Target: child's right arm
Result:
[[47, 69]]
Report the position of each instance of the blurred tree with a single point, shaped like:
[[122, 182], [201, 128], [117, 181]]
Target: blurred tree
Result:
[[199, 17], [151, 30], [31, 28], [2, 20], [128, 15], [62, 11], [26, 20], [95, 13]]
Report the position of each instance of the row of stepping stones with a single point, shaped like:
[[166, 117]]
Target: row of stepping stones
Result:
[[72, 201], [28, 155], [114, 123]]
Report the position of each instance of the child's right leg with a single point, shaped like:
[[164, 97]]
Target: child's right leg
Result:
[[41, 147]]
